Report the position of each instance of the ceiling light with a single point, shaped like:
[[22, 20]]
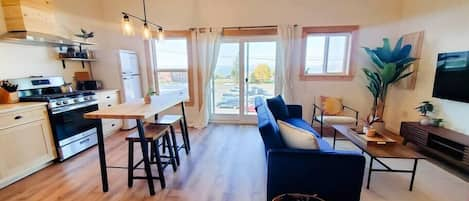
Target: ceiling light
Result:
[[127, 27], [160, 34], [146, 32]]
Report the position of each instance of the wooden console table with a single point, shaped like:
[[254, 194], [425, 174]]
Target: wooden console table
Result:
[[446, 144]]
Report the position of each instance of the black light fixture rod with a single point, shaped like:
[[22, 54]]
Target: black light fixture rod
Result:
[[141, 19], [145, 11]]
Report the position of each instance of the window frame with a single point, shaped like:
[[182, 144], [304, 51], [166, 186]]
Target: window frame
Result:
[[348, 74], [185, 34]]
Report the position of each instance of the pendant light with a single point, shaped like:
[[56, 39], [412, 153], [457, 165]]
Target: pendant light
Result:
[[127, 27], [160, 34], [128, 30], [146, 32]]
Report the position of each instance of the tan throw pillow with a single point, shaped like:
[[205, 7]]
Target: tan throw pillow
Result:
[[332, 106], [297, 138]]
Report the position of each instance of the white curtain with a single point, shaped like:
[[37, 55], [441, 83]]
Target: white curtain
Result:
[[288, 57], [208, 46], [152, 73]]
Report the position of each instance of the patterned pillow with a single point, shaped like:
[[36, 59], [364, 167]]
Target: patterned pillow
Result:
[[331, 105]]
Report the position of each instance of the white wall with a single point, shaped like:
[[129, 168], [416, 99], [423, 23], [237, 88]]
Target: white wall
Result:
[[22, 61], [445, 23], [376, 18]]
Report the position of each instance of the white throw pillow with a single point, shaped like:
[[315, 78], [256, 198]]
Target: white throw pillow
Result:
[[297, 138]]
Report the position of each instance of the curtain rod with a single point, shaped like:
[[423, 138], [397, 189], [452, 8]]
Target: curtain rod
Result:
[[243, 27]]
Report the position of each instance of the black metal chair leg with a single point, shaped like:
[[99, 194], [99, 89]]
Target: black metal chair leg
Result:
[[159, 166], [163, 149], [152, 152], [130, 167], [175, 145], [170, 151], [184, 137], [185, 125]]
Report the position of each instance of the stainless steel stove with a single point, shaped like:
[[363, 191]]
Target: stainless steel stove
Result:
[[72, 132]]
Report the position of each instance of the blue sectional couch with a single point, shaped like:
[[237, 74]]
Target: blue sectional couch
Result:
[[332, 175]]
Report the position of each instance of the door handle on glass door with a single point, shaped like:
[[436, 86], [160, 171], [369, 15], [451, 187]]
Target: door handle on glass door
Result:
[[246, 80]]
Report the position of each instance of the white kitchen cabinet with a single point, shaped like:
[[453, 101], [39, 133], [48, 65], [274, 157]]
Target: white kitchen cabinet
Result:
[[109, 98], [26, 142]]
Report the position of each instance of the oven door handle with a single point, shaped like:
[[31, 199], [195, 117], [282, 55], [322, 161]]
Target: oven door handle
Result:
[[72, 107]]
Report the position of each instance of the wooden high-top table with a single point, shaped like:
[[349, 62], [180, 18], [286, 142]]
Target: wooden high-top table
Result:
[[139, 111]]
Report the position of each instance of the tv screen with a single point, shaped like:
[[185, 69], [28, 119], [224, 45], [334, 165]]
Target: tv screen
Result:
[[452, 76]]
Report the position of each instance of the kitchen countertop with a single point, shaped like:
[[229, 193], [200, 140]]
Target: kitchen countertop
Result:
[[105, 90], [4, 108]]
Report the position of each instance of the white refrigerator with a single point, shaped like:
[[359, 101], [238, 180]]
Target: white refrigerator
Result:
[[131, 82]]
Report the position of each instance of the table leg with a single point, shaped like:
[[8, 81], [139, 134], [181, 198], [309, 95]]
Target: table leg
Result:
[[185, 125], [333, 142], [146, 160], [413, 175], [102, 155], [369, 173]]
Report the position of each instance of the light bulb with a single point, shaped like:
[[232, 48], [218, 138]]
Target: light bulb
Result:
[[146, 32], [160, 34], [127, 28]]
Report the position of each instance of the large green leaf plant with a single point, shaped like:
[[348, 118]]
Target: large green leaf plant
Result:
[[390, 67]]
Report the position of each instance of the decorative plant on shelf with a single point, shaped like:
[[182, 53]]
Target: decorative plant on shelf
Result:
[[84, 34], [424, 108], [390, 67]]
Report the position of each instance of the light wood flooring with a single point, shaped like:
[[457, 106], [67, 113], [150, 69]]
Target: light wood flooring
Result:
[[227, 163]]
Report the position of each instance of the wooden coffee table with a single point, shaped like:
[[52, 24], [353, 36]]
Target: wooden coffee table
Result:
[[390, 150]]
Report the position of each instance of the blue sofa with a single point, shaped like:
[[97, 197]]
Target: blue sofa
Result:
[[332, 175]]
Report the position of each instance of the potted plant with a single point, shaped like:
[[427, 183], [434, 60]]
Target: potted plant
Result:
[[147, 98], [424, 108], [8, 94], [390, 67]]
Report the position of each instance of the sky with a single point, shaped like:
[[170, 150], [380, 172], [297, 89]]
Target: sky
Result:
[[172, 54]]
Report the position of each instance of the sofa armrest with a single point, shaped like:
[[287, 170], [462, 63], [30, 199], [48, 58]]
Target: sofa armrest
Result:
[[333, 175], [295, 111]]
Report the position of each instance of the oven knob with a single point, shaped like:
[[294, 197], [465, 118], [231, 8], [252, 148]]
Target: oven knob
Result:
[[76, 100], [65, 102], [58, 103]]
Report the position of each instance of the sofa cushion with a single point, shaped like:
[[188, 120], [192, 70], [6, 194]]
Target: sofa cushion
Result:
[[278, 107], [267, 126], [329, 120], [300, 123], [297, 138]]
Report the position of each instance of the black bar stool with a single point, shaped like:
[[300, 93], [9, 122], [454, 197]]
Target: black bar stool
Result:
[[153, 133], [171, 121]]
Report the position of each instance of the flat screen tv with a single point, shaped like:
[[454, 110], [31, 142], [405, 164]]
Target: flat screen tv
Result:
[[452, 76]]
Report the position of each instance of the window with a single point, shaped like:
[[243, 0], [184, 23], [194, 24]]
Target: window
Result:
[[174, 62], [326, 52]]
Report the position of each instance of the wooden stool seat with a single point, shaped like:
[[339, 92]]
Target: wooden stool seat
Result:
[[152, 132], [171, 121], [168, 119]]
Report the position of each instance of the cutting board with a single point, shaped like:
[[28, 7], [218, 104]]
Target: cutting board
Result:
[[82, 76]]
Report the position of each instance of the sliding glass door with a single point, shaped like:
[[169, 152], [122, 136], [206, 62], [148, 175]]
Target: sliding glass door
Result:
[[245, 70]]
